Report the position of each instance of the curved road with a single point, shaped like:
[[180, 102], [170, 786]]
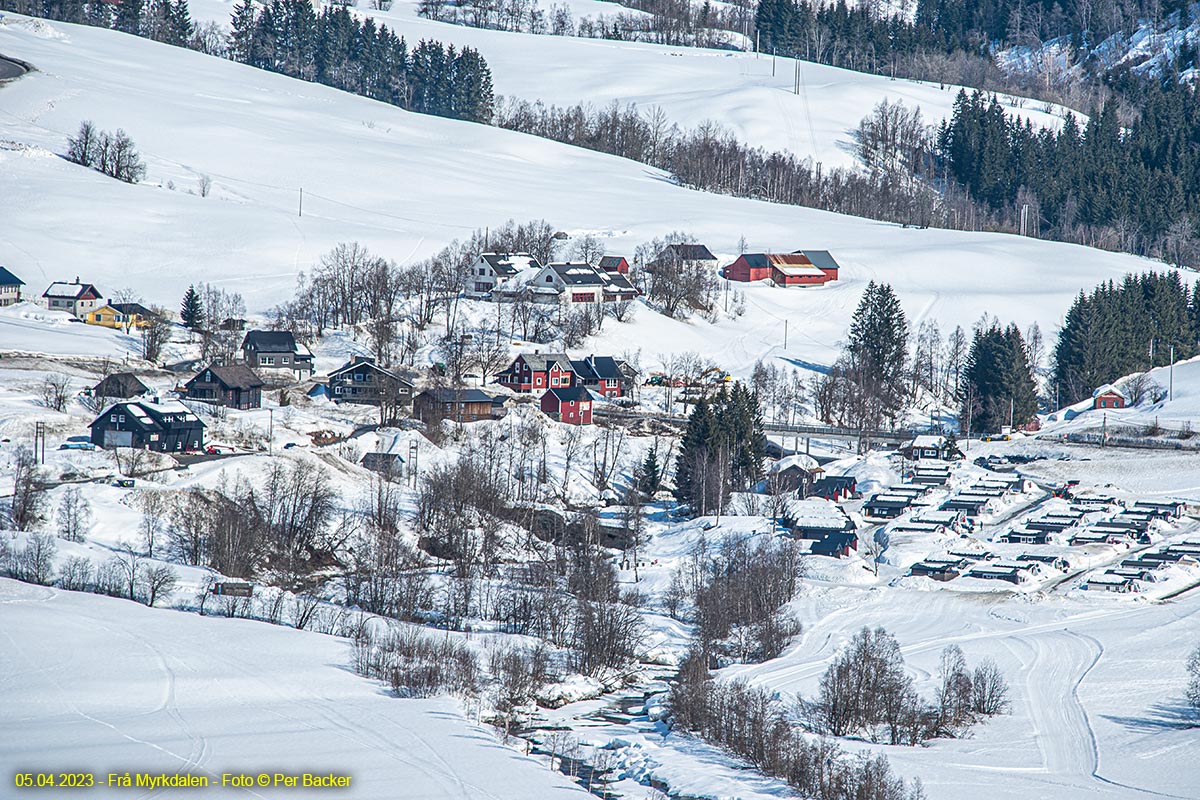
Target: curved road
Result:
[[10, 69]]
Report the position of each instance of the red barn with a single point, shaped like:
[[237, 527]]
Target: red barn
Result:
[[785, 269], [1108, 396], [572, 405], [535, 372], [613, 264]]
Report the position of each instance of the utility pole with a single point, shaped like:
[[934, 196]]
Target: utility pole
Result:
[[1151, 352], [271, 431], [39, 442], [757, 41], [785, 322], [1104, 430], [772, 62], [1171, 383], [301, 211], [1024, 218]]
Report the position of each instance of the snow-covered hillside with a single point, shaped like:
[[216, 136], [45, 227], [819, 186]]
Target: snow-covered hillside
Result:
[[405, 184], [751, 95], [109, 685]]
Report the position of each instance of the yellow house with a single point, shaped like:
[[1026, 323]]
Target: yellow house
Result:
[[120, 316]]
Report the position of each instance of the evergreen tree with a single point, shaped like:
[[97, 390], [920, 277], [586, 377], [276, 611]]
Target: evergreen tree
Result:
[[191, 312], [649, 474], [877, 350], [691, 465], [128, 17], [1000, 387]]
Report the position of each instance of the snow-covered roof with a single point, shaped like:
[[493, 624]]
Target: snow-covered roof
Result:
[[71, 290], [815, 512], [1109, 388], [509, 264], [807, 463], [928, 440]]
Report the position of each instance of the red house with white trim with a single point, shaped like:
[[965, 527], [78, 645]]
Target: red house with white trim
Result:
[[537, 372], [1108, 396], [572, 405]]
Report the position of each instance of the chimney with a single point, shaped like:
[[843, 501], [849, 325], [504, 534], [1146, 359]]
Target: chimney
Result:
[[76, 279]]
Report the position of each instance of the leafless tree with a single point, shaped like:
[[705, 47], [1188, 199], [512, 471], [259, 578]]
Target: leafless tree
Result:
[[129, 567], [28, 496], [55, 391], [153, 526], [74, 515], [132, 462], [989, 694], [34, 563], [158, 581], [1192, 667], [156, 332]]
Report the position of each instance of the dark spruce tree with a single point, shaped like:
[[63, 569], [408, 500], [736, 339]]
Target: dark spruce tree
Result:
[[722, 450], [999, 387], [877, 352], [191, 312], [649, 474]]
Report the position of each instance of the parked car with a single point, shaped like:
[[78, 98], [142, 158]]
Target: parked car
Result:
[[123, 483], [77, 446]]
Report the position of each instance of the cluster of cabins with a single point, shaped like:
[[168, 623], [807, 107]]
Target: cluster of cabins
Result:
[[972, 560], [897, 500], [1146, 567], [507, 277], [567, 389]]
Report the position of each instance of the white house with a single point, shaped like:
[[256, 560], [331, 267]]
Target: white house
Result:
[[493, 269], [570, 282], [75, 298]]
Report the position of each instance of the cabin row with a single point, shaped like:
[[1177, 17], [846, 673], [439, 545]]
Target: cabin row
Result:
[[1145, 568], [976, 562]]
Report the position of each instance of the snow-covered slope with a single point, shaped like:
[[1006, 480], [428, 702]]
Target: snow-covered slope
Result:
[[404, 184], [94, 683], [751, 95]]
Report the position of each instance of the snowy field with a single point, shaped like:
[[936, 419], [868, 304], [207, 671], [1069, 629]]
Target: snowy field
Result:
[[404, 185], [95, 683]]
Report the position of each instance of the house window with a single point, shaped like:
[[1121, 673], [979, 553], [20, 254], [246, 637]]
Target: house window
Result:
[[112, 418], [582, 297], [549, 279], [121, 418], [266, 360], [284, 359]]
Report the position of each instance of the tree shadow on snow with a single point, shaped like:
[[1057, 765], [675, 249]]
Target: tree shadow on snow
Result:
[[1160, 717]]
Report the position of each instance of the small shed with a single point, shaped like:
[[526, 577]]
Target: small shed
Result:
[[929, 446], [1109, 396], [120, 384], [793, 473]]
